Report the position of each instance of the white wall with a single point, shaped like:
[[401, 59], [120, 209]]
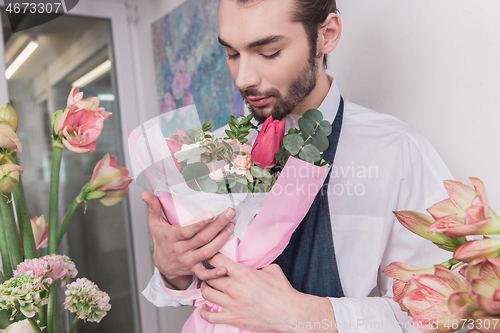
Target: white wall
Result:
[[436, 66]]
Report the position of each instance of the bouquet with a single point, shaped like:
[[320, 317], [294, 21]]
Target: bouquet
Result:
[[438, 298], [28, 283], [271, 183]]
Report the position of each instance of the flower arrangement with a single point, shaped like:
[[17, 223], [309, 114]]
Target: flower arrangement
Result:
[[271, 183], [438, 298], [28, 289]]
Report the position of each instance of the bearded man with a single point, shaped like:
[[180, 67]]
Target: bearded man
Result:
[[331, 271]]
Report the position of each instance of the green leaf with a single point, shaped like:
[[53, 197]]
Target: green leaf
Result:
[[261, 174], [207, 185], [211, 157], [310, 153], [207, 126], [313, 115], [190, 134], [277, 156], [228, 146], [234, 120], [230, 134], [306, 127], [243, 140], [233, 127], [293, 143], [319, 141], [246, 128], [324, 128], [241, 135], [176, 137], [245, 120], [194, 171]]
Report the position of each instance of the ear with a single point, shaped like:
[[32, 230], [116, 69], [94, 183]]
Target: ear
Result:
[[329, 34]]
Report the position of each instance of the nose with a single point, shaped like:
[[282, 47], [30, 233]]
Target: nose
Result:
[[247, 75]]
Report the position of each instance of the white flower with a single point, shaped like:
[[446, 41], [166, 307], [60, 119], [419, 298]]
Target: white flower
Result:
[[190, 153], [25, 293], [84, 298], [22, 326]]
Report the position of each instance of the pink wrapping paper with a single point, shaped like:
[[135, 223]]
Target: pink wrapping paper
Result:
[[265, 239]]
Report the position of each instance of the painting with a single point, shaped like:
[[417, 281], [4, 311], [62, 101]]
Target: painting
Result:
[[191, 68]]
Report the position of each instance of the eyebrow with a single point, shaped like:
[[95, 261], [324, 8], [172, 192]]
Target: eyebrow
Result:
[[260, 42]]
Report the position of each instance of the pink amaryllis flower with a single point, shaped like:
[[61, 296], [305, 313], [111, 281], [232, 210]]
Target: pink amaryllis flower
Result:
[[268, 143], [8, 137], [92, 103], [478, 249], [109, 182], [9, 177], [483, 276], [40, 231], [438, 298], [403, 280], [466, 212], [420, 224]]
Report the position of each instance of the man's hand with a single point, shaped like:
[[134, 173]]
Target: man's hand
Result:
[[262, 300], [180, 252]]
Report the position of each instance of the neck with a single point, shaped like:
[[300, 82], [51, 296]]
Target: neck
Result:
[[316, 97]]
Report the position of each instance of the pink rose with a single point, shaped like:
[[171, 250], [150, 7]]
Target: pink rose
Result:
[[268, 143], [177, 86], [79, 129]]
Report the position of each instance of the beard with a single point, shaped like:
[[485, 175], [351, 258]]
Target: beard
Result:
[[297, 91]]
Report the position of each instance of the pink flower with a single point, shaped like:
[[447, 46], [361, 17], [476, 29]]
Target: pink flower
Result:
[[188, 99], [177, 86], [8, 113], [268, 143], [79, 129], [169, 102], [40, 231], [55, 267], [438, 298], [420, 224], [478, 249], [484, 284], [466, 212], [241, 163], [174, 146], [9, 177], [109, 182], [186, 80], [403, 280], [92, 103], [8, 137]]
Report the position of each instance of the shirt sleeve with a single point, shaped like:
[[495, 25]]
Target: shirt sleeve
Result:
[[419, 188], [155, 293]]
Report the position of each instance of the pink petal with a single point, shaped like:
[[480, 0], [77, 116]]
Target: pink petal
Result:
[[460, 194], [445, 208], [481, 191]]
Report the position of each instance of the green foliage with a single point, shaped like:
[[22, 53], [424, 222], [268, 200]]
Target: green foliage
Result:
[[239, 129]]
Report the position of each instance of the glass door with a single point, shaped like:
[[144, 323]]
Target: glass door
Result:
[[98, 238]]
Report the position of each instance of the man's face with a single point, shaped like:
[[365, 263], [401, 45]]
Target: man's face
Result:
[[269, 56]]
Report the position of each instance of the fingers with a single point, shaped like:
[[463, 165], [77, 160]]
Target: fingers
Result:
[[154, 209], [210, 249], [212, 230], [208, 274], [213, 295], [190, 229]]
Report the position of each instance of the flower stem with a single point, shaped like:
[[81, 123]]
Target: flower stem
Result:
[[4, 250], [54, 198], [73, 325], [23, 218], [52, 323], [10, 227], [34, 325], [65, 222]]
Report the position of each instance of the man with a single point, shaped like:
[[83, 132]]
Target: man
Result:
[[276, 52]]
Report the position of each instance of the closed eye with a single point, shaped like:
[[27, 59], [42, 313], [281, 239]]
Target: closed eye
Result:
[[272, 56], [232, 56]]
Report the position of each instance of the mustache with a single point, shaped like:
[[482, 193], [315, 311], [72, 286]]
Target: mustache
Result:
[[255, 92]]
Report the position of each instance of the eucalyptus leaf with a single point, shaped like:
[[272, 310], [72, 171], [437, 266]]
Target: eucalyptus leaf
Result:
[[310, 153], [307, 127], [324, 128], [319, 141], [261, 174], [190, 134], [207, 185], [313, 115], [194, 171], [293, 143]]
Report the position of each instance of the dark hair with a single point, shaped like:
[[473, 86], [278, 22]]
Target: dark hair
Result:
[[312, 14]]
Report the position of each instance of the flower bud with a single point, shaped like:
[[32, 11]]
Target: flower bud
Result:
[[8, 113], [9, 177]]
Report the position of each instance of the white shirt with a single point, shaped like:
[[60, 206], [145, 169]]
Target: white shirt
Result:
[[381, 165]]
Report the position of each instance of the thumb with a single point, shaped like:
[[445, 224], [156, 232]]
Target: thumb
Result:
[[154, 208]]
